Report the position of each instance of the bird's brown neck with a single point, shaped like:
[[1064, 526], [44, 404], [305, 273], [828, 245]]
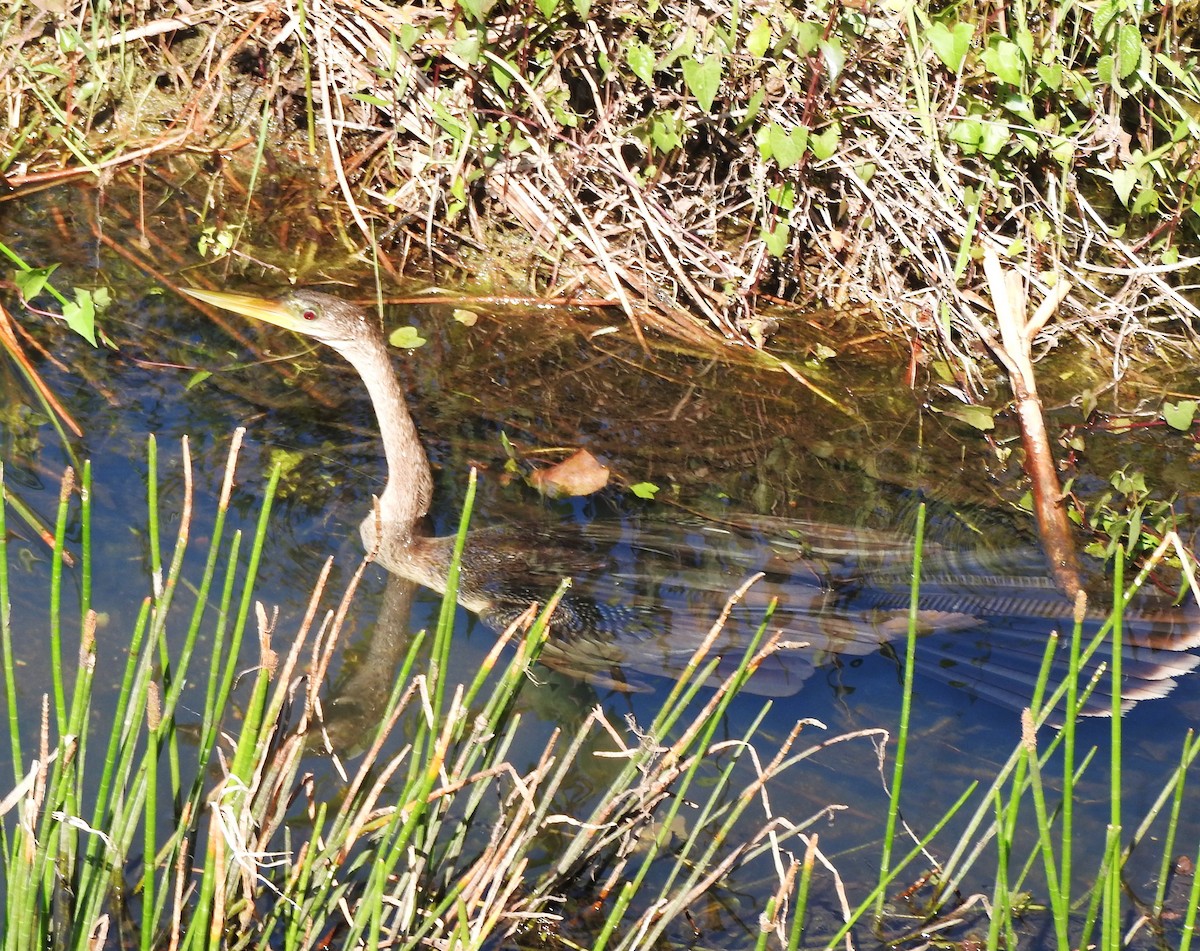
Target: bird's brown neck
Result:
[[405, 499]]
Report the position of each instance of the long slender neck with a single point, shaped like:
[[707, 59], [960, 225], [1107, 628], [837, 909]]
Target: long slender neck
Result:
[[405, 498]]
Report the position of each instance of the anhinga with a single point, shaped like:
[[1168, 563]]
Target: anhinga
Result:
[[645, 594]]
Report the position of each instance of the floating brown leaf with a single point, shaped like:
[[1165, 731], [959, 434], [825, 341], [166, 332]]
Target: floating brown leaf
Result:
[[578, 474]]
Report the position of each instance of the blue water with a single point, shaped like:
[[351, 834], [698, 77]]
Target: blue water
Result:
[[469, 384]]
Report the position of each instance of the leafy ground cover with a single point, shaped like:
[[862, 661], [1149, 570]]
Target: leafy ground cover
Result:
[[691, 163]]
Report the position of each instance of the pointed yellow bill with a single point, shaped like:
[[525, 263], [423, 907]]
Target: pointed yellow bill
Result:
[[261, 308]]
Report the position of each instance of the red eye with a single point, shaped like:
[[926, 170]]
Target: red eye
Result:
[[309, 315]]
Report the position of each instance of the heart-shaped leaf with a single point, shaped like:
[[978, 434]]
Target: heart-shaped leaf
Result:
[[950, 44], [31, 282], [406, 337], [1004, 61], [1123, 180], [80, 315], [1180, 415], [703, 79], [641, 60], [786, 145], [759, 37]]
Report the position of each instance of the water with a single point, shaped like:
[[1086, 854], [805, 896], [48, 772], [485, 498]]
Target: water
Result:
[[715, 438]]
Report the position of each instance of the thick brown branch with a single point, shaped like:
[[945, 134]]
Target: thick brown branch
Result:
[[1017, 332]]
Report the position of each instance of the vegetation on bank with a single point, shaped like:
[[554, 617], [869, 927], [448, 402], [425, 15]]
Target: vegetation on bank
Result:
[[691, 163]]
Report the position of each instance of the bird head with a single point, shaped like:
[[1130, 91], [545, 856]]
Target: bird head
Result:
[[344, 326]]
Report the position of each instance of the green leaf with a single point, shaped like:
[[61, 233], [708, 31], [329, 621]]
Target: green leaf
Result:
[[80, 315], [641, 60], [825, 144], [950, 44], [469, 48], [1146, 202], [759, 38], [995, 137], [703, 79], [370, 99], [664, 133], [974, 415], [1051, 76], [783, 195], [407, 337], [1004, 61], [216, 243], [1123, 180], [509, 449], [1129, 50], [547, 7], [197, 378], [752, 107], [644, 490], [808, 37], [1104, 16], [776, 239], [31, 282], [785, 146], [967, 134], [477, 10], [834, 56], [1180, 415]]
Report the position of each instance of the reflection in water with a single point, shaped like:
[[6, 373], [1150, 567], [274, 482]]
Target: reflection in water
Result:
[[359, 699], [645, 595]]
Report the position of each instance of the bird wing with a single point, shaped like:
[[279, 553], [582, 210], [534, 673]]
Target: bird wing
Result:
[[645, 597]]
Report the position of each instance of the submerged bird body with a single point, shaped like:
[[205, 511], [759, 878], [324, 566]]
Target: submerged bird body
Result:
[[645, 594]]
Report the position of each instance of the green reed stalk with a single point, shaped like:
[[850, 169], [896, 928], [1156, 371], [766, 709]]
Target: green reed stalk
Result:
[[800, 911], [85, 543], [165, 587], [1001, 914], [99, 863], [1070, 722], [440, 660], [191, 802], [1058, 891], [152, 508], [711, 810], [696, 741], [10, 676], [1191, 746], [56, 567], [150, 823], [1189, 921], [234, 793], [1111, 881], [910, 661], [701, 867], [223, 662], [641, 760], [868, 903]]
